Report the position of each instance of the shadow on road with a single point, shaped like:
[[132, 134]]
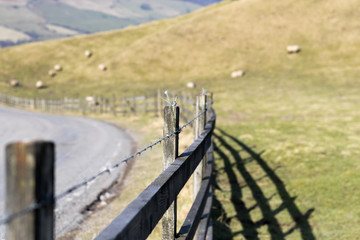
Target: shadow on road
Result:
[[234, 164]]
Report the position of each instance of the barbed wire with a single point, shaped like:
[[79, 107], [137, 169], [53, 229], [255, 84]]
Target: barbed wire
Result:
[[21, 213], [36, 206]]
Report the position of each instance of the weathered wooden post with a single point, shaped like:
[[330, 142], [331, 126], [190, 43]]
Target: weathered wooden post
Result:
[[125, 105], [199, 127], [32, 104], [50, 105], [170, 153], [145, 103], [114, 104], [42, 105], [158, 102], [35, 103], [134, 104], [209, 102], [62, 105], [101, 104], [82, 105], [30, 180]]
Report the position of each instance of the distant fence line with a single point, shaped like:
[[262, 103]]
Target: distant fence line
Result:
[[145, 104]]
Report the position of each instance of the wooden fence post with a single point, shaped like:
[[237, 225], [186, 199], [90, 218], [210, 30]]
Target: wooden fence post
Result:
[[101, 104], [81, 107], [43, 107], [32, 102], [30, 180], [170, 153], [145, 103], [209, 101], [125, 105], [158, 102], [199, 127], [114, 105], [134, 104]]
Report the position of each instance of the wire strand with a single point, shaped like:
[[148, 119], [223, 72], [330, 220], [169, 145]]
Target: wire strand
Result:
[[31, 208]]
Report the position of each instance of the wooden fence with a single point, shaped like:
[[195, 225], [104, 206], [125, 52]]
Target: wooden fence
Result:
[[30, 182], [144, 104]]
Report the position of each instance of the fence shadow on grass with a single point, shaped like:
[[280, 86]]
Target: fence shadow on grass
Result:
[[234, 164]]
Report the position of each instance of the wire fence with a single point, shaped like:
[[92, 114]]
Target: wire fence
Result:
[[149, 103], [108, 170]]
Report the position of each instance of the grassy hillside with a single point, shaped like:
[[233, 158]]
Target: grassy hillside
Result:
[[207, 44], [287, 143]]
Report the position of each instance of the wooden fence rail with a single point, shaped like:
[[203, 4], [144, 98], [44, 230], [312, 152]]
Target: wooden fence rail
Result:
[[142, 215], [34, 164]]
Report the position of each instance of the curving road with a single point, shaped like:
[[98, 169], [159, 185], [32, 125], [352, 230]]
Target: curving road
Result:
[[83, 148]]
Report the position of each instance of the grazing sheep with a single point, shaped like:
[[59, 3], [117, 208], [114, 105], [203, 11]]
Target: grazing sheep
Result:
[[102, 67], [293, 49], [14, 83], [191, 85], [39, 84], [88, 53], [91, 101], [58, 68], [238, 73], [52, 73]]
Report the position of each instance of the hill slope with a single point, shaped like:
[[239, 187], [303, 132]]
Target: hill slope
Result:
[[48, 19], [209, 43], [301, 109]]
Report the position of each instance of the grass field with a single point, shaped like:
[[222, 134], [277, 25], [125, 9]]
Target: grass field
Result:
[[288, 132]]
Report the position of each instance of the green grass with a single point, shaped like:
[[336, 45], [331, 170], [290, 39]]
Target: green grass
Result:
[[298, 114], [311, 144]]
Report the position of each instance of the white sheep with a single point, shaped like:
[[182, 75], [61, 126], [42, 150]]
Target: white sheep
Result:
[[293, 49], [91, 101], [39, 84], [14, 83], [102, 67], [238, 73], [57, 68], [191, 85], [88, 53]]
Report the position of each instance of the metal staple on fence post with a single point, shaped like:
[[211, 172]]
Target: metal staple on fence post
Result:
[[199, 127], [170, 153], [30, 180]]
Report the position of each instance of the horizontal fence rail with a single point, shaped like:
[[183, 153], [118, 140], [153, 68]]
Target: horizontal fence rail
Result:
[[157, 201]]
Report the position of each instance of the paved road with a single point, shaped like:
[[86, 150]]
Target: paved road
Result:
[[83, 148]]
